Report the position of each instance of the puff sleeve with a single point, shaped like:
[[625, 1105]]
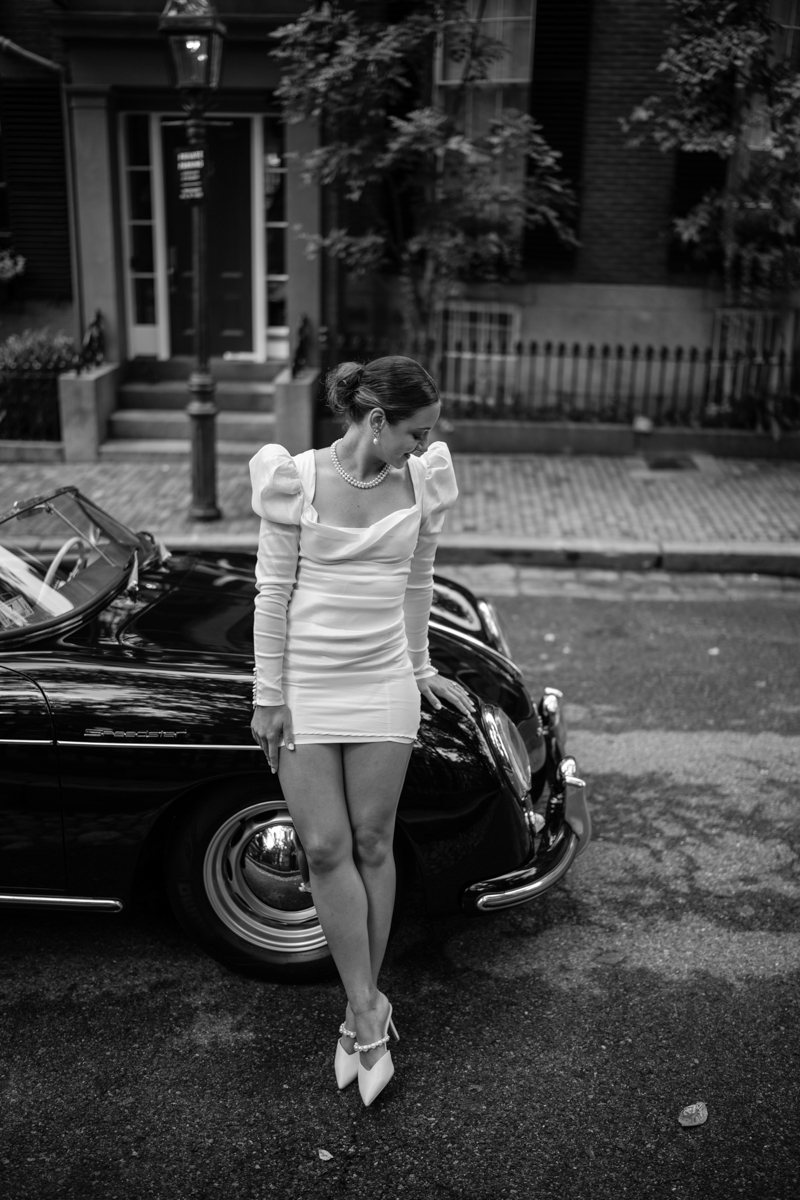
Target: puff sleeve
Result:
[[439, 493], [278, 499]]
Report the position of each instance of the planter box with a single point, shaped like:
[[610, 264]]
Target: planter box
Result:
[[86, 401], [295, 399]]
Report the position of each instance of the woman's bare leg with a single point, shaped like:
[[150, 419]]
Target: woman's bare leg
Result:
[[313, 786], [374, 773]]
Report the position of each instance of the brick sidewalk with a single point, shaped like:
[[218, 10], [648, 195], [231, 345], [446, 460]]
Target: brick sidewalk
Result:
[[517, 497]]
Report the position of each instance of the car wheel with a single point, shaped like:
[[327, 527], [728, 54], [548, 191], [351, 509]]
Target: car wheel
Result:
[[234, 882]]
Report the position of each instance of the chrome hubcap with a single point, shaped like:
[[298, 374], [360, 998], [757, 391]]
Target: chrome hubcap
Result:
[[253, 882]]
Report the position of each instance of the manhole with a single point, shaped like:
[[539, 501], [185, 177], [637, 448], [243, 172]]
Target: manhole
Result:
[[678, 462]]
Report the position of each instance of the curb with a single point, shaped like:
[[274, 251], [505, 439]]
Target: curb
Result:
[[763, 558], [760, 558], [605, 553]]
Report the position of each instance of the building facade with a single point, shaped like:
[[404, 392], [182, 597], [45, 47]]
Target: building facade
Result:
[[588, 63], [131, 235], [89, 145]]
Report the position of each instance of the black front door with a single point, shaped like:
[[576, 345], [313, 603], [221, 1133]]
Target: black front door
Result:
[[228, 224]]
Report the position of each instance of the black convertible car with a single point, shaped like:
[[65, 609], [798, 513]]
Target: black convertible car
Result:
[[125, 703]]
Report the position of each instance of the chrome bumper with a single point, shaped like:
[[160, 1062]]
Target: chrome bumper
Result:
[[546, 868]]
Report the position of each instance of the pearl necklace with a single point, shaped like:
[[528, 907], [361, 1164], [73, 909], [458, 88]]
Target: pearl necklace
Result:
[[359, 483]]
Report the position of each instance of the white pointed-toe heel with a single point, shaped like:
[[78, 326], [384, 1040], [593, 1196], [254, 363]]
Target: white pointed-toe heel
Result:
[[345, 1065], [372, 1080]]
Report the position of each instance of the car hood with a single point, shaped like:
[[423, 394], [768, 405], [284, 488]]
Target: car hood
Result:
[[201, 606], [201, 612]]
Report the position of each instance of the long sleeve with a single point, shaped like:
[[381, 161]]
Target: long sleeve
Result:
[[439, 493], [278, 500], [276, 571]]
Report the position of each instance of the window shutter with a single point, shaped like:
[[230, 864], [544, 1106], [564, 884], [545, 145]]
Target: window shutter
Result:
[[33, 149], [558, 102], [560, 77]]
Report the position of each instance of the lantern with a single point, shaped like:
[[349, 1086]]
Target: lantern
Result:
[[195, 35]]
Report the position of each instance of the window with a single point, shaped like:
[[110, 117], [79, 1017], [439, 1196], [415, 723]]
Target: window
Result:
[[139, 213], [275, 230], [474, 325], [479, 342], [510, 22], [508, 81], [787, 15]]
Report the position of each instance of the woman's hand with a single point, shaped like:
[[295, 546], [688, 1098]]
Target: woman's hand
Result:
[[437, 686], [269, 722]]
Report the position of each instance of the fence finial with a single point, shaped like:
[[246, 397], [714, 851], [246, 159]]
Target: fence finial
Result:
[[300, 359]]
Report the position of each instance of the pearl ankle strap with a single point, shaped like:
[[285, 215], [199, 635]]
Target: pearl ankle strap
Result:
[[372, 1046]]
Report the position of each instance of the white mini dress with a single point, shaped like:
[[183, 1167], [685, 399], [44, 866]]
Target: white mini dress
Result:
[[341, 621]]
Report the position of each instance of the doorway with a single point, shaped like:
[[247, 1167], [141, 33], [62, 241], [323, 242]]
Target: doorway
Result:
[[229, 240]]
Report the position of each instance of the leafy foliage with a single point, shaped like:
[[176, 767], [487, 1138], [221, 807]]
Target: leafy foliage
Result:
[[428, 201], [11, 265], [730, 92], [37, 350]]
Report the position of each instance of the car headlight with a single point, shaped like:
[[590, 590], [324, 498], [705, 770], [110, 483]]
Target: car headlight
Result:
[[508, 748], [494, 626]]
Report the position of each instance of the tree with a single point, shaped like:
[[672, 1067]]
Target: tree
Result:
[[731, 92], [425, 199]]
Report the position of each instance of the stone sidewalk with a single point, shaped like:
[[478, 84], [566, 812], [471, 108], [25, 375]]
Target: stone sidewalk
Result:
[[712, 515]]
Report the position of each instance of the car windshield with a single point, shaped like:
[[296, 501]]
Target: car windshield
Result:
[[58, 554]]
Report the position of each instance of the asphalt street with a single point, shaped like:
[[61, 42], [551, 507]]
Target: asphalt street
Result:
[[545, 1052]]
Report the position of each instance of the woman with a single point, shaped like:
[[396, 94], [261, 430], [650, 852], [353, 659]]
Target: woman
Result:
[[345, 580]]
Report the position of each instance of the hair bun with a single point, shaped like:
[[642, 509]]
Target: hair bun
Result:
[[354, 381], [341, 386]]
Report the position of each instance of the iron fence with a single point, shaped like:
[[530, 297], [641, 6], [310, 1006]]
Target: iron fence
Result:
[[669, 386], [29, 406], [747, 387]]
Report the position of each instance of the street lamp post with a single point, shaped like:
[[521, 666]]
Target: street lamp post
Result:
[[195, 35]]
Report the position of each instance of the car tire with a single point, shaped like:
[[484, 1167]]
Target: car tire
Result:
[[234, 883]]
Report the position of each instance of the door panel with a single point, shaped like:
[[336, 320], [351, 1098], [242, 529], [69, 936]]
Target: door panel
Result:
[[131, 739], [229, 240], [31, 840]]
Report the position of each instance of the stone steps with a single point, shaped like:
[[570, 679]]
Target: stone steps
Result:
[[145, 424], [150, 421], [243, 396], [171, 449], [148, 370]]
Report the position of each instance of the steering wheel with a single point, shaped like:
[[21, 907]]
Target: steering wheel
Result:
[[59, 556]]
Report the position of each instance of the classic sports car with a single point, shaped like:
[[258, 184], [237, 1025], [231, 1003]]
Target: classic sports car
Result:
[[125, 702]]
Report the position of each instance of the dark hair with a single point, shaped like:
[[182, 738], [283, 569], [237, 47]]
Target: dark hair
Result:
[[398, 385]]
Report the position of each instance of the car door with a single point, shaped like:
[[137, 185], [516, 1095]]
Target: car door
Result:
[[31, 837]]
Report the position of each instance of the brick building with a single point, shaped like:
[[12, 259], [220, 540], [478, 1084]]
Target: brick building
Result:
[[580, 65], [593, 61]]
